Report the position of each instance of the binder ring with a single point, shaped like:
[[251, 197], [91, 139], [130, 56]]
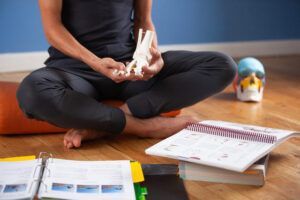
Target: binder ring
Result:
[[35, 180], [44, 156], [41, 183], [45, 186], [35, 169], [48, 170]]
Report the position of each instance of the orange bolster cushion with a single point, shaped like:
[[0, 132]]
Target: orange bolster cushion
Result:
[[13, 121]]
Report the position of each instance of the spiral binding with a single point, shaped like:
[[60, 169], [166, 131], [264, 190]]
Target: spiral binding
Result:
[[232, 133]]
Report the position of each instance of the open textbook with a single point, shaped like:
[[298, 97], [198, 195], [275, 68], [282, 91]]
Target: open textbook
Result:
[[221, 144], [66, 179]]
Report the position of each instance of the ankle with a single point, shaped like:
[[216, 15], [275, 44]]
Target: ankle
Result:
[[135, 126], [125, 109]]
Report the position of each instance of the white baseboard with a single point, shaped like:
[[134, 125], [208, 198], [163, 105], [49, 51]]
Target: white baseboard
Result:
[[12, 62], [242, 49], [16, 62]]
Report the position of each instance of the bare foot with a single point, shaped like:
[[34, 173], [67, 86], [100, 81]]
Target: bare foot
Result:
[[74, 137], [158, 127]]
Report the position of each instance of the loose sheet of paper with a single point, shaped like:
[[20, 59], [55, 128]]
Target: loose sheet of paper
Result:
[[105, 180], [17, 179]]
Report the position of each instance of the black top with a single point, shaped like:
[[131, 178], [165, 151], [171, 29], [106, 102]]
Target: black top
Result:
[[103, 26]]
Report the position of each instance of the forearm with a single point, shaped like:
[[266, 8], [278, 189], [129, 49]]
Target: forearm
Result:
[[60, 38], [142, 19]]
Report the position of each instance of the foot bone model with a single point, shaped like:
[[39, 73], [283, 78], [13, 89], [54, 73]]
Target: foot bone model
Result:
[[141, 56]]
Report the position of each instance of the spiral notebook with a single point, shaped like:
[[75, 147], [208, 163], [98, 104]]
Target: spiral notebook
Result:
[[52, 178], [221, 144]]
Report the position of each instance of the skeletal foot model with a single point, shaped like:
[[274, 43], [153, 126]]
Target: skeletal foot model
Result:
[[141, 56]]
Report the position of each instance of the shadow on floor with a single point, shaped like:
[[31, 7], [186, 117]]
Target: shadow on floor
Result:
[[226, 96]]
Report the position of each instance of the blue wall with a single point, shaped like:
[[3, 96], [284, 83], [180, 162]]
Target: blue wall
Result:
[[203, 21], [177, 21]]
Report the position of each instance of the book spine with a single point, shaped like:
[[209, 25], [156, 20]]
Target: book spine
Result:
[[232, 133]]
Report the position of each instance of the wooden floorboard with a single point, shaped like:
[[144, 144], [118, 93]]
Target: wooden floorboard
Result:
[[280, 108]]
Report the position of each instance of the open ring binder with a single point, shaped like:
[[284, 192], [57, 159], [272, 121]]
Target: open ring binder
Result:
[[50, 178]]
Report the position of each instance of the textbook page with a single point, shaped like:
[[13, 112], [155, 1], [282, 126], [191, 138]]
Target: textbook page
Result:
[[105, 180], [19, 180]]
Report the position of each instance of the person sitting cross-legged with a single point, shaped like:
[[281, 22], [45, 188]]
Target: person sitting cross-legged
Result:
[[89, 41]]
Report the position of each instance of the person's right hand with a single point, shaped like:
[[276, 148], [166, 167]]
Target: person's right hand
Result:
[[107, 66]]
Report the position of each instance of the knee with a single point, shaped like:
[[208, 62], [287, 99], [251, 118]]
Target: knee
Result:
[[32, 95], [27, 95], [228, 66]]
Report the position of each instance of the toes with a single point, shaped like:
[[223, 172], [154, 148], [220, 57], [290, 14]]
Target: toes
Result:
[[70, 145], [74, 137], [77, 140], [68, 134], [68, 138], [65, 142]]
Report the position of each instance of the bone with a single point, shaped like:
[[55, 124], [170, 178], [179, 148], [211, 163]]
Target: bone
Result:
[[141, 56]]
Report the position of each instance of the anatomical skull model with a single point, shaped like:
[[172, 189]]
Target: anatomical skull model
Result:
[[250, 80], [141, 56]]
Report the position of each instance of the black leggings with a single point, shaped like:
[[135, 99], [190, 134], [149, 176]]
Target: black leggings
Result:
[[70, 98]]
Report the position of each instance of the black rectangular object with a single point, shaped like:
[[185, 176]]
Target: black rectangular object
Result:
[[163, 182]]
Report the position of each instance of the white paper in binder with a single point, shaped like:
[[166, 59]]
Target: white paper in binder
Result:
[[50, 178], [141, 56]]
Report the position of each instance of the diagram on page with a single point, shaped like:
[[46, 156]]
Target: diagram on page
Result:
[[101, 179], [17, 179]]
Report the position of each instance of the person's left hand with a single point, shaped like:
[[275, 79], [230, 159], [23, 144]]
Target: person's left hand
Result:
[[156, 64]]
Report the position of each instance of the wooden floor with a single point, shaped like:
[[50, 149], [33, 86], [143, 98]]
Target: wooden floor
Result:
[[280, 108]]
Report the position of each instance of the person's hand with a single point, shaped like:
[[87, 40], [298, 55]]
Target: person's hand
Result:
[[156, 64], [108, 66]]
